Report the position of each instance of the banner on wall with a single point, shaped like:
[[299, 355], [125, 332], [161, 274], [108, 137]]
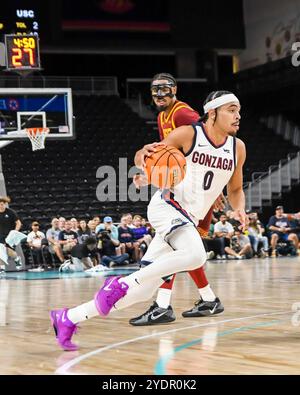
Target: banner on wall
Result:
[[271, 28]]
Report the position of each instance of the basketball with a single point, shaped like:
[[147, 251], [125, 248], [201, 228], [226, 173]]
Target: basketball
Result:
[[166, 167]]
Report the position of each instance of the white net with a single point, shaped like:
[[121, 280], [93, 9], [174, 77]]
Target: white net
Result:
[[37, 137]]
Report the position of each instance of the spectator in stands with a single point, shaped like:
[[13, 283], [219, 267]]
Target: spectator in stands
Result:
[[83, 231], [295, 222], [74, 224], [97, 220], [212, 244], [67, 237], [148, 226], [108, 225], [52, 235], [126, 239], [107, 248], [10, 224], [84, 256], [281, 230], [61, 223], [223, 230], [112, 229], [92, 227], [256, 230], [240, 246], [129, 220], [34, 240], [141, 237]]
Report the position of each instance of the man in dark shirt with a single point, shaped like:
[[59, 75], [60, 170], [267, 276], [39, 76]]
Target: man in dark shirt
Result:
[[107, 249], [281, 230], [126, 239], [67, 237], [9, 221], [83, 256]]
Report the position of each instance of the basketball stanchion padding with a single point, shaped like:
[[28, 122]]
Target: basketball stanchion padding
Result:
[[37, 137]]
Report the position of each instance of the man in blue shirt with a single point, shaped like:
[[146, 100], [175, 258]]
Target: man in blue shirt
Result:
[[281, 230]]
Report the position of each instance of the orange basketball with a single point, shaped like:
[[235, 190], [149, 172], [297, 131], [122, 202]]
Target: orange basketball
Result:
[[166, 167]]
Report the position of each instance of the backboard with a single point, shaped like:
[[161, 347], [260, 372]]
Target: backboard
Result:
[[22, 108]]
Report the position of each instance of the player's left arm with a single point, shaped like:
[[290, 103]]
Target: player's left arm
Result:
[[235, 191]]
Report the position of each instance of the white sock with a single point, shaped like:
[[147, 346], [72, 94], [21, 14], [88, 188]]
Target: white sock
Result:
[[83, 312], [207, 294], [164, 297]]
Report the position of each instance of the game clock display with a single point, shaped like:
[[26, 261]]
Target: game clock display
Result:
[[22, 52]]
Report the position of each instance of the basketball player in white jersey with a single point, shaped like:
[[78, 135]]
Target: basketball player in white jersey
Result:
[[214, 158]]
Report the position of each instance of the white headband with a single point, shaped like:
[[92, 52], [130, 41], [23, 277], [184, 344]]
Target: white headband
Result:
[[219, 101]]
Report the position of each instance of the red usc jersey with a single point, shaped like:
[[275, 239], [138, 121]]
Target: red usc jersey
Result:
[[180, 114]]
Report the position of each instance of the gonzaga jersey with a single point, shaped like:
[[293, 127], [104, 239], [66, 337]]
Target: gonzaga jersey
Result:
[[209, 169]]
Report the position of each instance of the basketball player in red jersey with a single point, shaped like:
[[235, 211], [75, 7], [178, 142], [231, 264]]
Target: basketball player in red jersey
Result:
[[172, 114]]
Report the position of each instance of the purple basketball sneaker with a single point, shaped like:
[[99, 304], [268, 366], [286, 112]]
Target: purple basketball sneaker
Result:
[[109, 294], [64, 329]]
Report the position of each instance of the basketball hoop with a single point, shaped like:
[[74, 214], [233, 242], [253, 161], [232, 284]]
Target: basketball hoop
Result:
[[37, 137]]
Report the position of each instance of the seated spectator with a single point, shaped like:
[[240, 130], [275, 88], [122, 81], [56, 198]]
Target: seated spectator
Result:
[[92, 227], [223, 230], [107, 248], [74, 224], [126, 239], [108, 225], [84, 256], [61, 223], [83, 231], [149, 227], [112, 229], [97, 220], [213, 246], [256, 230], [141, 237], [240, 246], [67, 237], [53, 242], [34, 240], [129, 220], [295, 222], [281, 230]]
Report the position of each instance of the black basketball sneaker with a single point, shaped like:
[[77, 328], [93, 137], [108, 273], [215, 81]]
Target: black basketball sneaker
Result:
[[154, 316], [204, 309]]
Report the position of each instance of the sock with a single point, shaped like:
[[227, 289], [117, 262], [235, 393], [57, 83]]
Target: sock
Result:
[[164, 297], [83, 312], [207, 294], [199, 277], [169, 283]]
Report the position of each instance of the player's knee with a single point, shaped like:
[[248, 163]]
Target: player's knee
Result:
[[196, 258]]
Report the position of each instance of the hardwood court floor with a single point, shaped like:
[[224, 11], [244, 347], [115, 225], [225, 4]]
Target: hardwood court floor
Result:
[[257, 334]]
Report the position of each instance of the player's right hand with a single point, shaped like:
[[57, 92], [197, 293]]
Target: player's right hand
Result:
[[140, 180], [148, 150]]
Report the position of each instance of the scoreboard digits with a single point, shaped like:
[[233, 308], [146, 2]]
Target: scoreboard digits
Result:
[[22, 52]]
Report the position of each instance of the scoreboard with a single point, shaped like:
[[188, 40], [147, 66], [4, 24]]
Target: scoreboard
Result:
[[22, 52], [18, 20], [19, 37]]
